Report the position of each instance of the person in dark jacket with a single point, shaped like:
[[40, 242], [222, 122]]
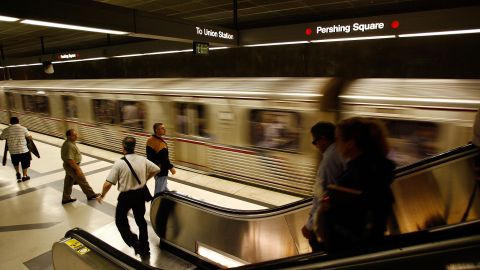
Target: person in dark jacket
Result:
[[157, 152], [361, 201]]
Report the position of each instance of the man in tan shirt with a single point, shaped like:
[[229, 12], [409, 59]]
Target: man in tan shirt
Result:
[[72, 157]]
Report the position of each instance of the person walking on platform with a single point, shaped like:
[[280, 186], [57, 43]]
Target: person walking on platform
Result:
[[72, 157], [16, 136], [157, 152], [131, 173], [323, 134]]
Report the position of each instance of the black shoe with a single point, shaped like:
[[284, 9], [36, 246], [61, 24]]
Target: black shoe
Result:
[[25, 178], [145, 255], [19, 177], [94, 197], [143, 251], [69, 201]]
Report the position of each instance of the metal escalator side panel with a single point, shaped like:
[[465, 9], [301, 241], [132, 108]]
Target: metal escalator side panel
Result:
[[252, 239], [437, 193]]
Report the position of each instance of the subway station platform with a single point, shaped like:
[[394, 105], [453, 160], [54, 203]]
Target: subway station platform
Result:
[[34, 218]]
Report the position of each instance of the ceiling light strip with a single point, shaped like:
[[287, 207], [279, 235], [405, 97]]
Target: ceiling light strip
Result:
[[442, 33], [277, 43], [25, 65], [79, 60], [352, 38], [73, 27], [8, 19]]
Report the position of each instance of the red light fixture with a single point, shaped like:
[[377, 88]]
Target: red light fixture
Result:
[[308, 31], [395, 24]]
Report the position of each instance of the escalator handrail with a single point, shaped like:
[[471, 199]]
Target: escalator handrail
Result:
[[429, 162], [229, 212], [423, 164]]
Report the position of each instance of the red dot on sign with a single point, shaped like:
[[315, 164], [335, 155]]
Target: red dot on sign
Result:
[[308, 31], [395, 24]]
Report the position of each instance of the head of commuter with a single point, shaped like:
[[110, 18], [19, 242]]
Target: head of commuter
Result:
[[360, 136], [14, 120], [128, 144], [159, 129], [323, 135], [72, 135]]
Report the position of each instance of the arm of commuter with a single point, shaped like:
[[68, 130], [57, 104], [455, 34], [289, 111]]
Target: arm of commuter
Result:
[[150, 152], [152, 169], [106, 187], [75, 166], [171, 168], [27, 134]]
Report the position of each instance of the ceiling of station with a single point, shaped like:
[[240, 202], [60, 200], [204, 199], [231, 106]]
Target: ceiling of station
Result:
[[19, 40]]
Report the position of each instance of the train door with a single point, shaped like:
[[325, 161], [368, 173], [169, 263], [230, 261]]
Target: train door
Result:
[[37, 115], [191, 145], [70, 112], [7, 103]]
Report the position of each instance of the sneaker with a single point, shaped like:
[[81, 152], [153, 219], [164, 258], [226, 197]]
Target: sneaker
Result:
[[93, 197], [25, 178], [19, 177], [69, 201]]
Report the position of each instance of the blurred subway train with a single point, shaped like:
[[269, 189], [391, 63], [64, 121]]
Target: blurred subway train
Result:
[[253, 130]]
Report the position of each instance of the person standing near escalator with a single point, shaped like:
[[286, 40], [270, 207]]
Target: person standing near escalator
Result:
[[330, 168], [359, 204]]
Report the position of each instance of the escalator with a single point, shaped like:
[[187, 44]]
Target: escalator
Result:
[[437, 203]]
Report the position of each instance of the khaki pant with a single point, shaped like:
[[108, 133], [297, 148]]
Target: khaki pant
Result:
[[70, 178]]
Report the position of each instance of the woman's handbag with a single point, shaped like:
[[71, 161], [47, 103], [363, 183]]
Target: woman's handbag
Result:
[[146, 193]]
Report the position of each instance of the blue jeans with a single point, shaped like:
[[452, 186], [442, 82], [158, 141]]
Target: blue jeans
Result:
[[160, 184]]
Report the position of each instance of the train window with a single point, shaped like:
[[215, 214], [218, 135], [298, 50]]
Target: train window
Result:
[[275, 129], [69, 107], [37, 104], [191, 119], [411, 141], [104, 111], [11, 101], [182, 118], [132, 114]]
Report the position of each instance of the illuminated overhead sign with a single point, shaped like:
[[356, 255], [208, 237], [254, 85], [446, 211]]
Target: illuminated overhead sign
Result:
[[68, 56], [203, 31], [353, 28], [429, 23], [200, 48]]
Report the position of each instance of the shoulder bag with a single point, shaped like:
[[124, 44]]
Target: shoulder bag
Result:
[[146, 193]]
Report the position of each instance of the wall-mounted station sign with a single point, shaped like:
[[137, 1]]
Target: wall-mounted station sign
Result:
[[212, 33], [387, 26], [355, 27], [67, 56]]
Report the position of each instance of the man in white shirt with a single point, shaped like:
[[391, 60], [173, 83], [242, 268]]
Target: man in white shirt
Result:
[[131, 195], [331, 167], [16, 136]]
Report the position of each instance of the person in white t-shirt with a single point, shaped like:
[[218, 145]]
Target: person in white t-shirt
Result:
[[131, 195], [16, 136]]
